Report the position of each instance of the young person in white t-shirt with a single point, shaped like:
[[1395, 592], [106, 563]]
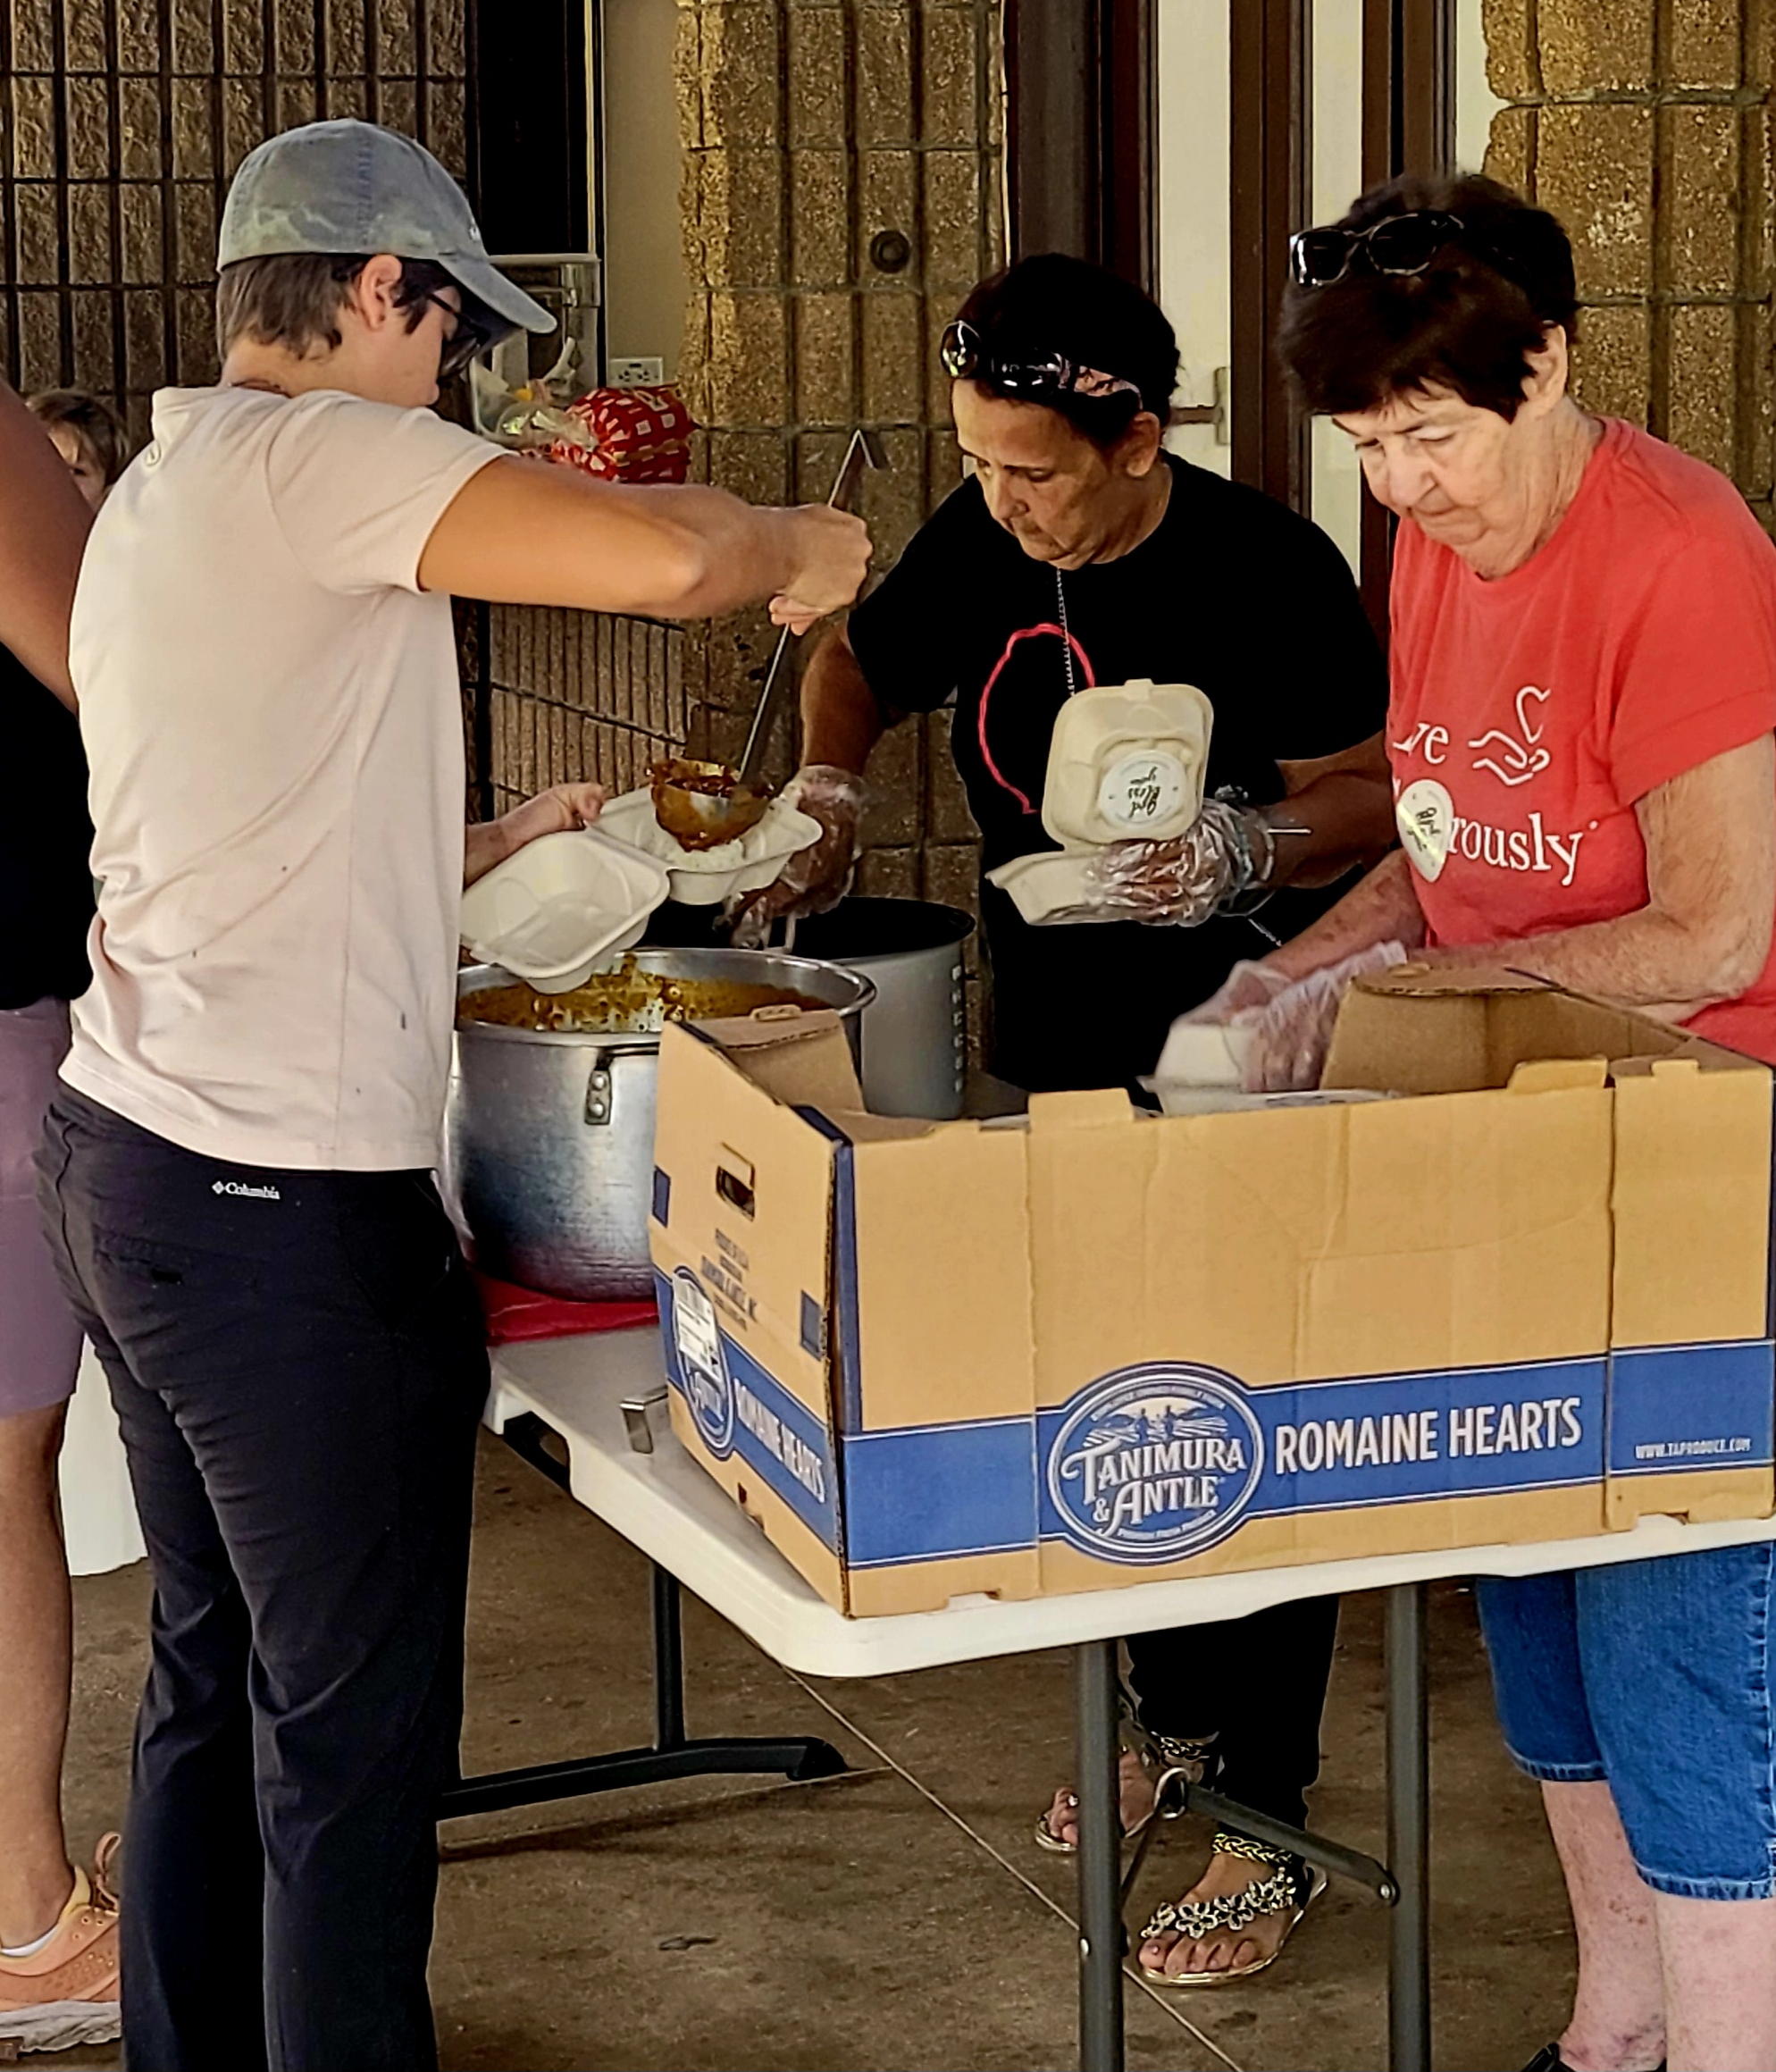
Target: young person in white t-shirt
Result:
[[237, 1174]]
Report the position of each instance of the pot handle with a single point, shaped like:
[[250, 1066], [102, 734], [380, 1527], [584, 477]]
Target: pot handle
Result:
[[598, 1090]]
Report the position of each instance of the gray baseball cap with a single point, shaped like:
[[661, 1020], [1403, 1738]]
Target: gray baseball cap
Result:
[[351, 186]]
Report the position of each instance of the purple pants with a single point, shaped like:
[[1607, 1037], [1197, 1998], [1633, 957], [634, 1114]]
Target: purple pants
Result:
[[39, 1340]]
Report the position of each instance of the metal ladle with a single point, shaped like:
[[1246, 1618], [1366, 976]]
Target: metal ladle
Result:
[[703, 804]]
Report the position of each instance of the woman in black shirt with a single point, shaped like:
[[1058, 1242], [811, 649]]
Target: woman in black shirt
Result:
[[1081, 552]]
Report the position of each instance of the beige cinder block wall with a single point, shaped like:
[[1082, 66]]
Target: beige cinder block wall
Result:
[[1646, 126]]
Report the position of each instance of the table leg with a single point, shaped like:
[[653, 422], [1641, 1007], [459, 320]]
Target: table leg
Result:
[[1098, 1757], [1408, 1833], [799, 1758], [668, 1662]]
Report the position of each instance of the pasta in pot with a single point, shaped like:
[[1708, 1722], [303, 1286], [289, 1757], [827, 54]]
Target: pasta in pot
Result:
[[627, 1002]]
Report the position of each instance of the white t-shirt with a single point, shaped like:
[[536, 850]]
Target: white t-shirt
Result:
[[271, 714]]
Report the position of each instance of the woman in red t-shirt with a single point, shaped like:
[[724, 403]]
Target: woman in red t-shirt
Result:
[[1584, 694]]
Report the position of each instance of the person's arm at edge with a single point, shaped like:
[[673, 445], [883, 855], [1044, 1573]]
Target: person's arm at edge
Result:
[[555, 811], [43, 532], [519, 532]]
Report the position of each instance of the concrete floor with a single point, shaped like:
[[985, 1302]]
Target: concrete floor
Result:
[[899, 1917]]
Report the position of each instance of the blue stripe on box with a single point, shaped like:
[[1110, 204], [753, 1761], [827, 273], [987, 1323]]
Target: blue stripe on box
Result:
[[1478, 1431], [930, 1492], [1674, 1409], [936, 1490], [773, 1432]]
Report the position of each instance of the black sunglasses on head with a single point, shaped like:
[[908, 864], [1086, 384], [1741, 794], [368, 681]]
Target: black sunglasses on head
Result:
[[967, 356], [1403, 244]]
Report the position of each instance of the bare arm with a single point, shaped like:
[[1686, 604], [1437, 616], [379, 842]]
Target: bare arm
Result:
[[1346, 802], [1382, 907], [1704, 933], [1702, 936], [555, 811], [521, 532], [43, 530], [841, 717]]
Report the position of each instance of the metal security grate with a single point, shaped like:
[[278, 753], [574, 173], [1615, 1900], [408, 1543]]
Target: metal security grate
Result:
[[122, 122]]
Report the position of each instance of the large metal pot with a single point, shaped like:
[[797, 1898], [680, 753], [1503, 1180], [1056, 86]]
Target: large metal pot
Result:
[[915, 1031], [550, 1141]]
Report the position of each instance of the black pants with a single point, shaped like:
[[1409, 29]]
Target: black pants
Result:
[[1259, 1683], [296, 1359]]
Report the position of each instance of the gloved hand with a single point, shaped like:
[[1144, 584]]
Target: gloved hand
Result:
[[816, 878], [1290, 1036], [1227, 853], [1249, 984]]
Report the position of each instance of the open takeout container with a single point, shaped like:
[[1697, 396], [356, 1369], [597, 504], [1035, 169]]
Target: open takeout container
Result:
[[705, 877], [563, 907]]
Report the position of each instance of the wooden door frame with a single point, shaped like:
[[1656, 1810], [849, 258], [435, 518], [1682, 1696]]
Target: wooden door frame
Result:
[[1082, 155], [1270, 139], [1408, 126], [1081, 131]]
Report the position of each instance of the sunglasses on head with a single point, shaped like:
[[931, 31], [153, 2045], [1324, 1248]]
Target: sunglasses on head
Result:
[[966, 357], [1403, 244]]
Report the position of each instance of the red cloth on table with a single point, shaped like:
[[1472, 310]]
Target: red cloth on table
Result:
[[515, 1314]]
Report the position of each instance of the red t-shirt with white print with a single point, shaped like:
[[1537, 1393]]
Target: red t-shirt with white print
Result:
[[1530, 714]]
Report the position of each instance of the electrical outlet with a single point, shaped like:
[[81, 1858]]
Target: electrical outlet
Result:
[[637, 371]]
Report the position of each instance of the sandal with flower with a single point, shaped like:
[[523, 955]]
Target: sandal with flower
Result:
[[1197, 1926]]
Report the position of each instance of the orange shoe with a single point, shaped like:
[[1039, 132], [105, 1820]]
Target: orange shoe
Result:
[[66, 1993]]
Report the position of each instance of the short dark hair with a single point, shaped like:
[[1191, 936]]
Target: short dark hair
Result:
[[1054, 304], [93, 421], [1467, 324], [293, 300]]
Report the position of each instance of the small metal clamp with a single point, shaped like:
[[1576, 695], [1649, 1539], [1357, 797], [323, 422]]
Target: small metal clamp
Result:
[[635, 1410]]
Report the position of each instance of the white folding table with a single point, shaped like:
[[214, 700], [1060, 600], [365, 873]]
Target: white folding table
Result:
[[664, 1504]]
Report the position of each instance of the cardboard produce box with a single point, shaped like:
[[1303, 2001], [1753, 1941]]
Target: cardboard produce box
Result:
[[1529, 1298]]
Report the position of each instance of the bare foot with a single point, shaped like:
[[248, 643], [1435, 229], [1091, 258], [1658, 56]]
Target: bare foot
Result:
[[1174, 1954], [1138, 1793]]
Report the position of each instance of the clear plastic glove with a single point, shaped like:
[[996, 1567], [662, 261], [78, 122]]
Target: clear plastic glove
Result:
[[1247, 986], [816, 878], [1287, 1039], [1228, 853]]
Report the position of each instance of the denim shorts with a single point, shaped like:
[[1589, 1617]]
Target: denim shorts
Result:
[[1655, 1677]]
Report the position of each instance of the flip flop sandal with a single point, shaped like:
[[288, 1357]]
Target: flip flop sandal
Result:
[[1161, 1756], [1290, 1890]]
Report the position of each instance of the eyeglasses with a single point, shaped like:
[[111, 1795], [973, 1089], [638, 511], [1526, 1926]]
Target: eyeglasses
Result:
[[1404, 244], [965, 357], [462, 342]]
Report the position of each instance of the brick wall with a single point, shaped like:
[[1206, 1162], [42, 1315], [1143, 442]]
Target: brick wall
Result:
[[1645, 126], [123, 121], [811, 127]]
